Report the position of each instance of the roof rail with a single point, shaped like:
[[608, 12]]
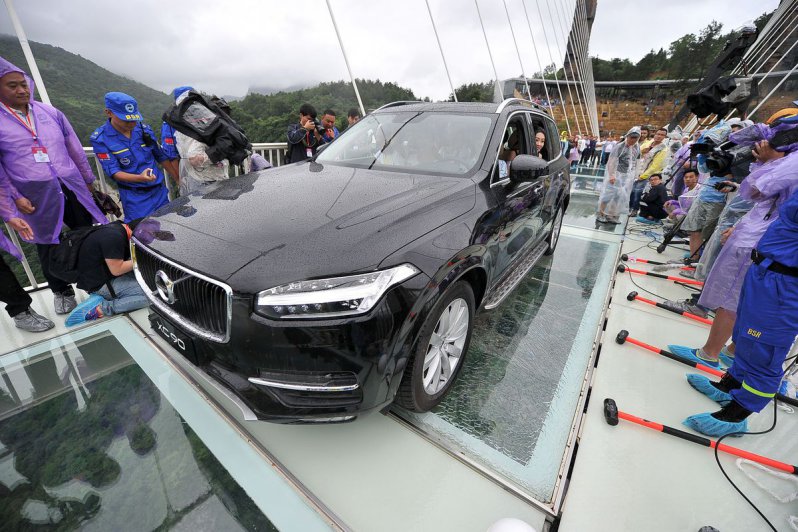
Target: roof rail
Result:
[[397, 104], [528, 103]]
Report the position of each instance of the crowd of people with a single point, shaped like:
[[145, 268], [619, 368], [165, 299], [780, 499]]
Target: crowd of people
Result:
[[739, 211], [47, 187]]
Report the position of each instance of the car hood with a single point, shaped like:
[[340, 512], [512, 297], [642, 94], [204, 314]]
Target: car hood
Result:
[[302, 221]]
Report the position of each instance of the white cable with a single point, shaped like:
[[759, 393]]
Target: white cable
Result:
[[346, 59], [518, 53], [498, 89], [566, 43], [564, 70], [788, 74], [540, 64], [788, 477], [551, 58], [440, 48]]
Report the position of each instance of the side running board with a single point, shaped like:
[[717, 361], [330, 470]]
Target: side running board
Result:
[[508, 284]]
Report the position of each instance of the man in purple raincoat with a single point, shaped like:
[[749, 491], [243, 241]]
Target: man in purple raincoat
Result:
[[44, 171], [12, 294]]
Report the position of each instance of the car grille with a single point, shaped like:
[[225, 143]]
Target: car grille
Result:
[[200, 304]]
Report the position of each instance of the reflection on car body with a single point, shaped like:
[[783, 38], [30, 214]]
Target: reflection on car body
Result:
[[322, 290]]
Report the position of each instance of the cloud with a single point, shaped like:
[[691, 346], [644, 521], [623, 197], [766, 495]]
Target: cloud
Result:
[[226, 48]]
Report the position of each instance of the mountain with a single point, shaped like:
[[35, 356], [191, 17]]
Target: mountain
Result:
[[77, 86]]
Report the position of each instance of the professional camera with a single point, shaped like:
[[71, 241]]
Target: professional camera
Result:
[[320, 128], [735, 159]]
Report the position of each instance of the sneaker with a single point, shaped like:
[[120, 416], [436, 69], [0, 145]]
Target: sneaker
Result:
[[64, 303], [686, 306], [30, 321], [601, 218], [690, 274], [89, 310]]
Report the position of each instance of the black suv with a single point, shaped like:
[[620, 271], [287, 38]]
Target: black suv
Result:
[[317, 291]]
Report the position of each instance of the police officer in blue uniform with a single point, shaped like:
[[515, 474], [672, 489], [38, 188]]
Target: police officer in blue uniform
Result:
[[766, 326], [128, 153]]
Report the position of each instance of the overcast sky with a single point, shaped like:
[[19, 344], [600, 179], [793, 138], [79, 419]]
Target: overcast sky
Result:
[[228, 47]]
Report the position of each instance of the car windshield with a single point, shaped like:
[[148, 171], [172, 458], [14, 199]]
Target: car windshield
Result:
[[415, 142]]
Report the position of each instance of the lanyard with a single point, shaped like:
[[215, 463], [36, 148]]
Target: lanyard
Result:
[[26, 123]]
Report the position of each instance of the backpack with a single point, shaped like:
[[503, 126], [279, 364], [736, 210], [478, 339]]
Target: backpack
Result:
[[65, 255]]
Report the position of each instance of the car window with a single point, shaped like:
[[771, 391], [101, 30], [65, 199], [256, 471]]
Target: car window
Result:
[[553, 138], [416, 142], [541, 145], [514, 143]]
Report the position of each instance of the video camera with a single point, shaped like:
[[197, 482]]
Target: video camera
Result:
[[735, 159]]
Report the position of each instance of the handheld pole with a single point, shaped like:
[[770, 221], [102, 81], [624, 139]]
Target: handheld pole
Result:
[[612, 415], [633, 296]]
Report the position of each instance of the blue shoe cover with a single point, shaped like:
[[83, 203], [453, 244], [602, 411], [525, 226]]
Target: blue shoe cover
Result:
[[689, 353], [642, 220], [703, 385], [725, 359], [706, 424], [78, 316]]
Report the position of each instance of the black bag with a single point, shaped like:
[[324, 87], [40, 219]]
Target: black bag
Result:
[[64, 256]]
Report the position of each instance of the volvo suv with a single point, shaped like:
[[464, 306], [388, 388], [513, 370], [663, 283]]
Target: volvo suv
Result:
[[322, 290]]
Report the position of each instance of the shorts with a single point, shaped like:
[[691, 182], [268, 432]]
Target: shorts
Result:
[[702, 215]]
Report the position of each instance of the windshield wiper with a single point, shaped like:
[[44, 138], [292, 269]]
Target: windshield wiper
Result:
[[388, 141]]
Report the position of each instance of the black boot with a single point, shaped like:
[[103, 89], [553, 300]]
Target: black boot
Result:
[[727, 383], [732, 412]]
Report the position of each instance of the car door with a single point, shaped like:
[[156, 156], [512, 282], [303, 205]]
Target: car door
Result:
[[519, 202]]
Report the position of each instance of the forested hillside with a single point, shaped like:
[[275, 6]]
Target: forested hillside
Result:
[[265, 118], [77, 86]]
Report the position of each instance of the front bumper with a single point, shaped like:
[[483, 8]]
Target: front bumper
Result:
[[303, 371]]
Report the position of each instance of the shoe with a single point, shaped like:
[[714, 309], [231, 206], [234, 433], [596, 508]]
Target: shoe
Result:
[[29, 321], [703, 385], [64, 303], [613, 220], [643, 220], [725, 357], [86, 311], [632, 213], [689, 353], [686, 306], [601, 218], [710, 426], [690, 274]]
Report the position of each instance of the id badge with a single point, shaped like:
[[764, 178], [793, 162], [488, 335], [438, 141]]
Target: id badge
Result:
[[308, 152], [40, 154]]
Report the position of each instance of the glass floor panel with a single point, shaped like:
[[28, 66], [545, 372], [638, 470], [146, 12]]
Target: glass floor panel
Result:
[[582, 213], [90, 441], [514, 402]]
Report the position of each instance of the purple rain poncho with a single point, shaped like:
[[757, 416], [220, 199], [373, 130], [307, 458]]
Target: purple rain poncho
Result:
[[7, 211], [768, 186], [21, 176]]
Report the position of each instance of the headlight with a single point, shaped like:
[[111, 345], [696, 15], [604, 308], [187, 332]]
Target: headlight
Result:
[[331, 298]]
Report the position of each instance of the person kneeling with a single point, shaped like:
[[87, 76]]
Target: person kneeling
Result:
[[106, 272], [652, 204]]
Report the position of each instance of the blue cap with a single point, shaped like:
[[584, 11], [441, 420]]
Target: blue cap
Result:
[[180, 90], [123, 106]]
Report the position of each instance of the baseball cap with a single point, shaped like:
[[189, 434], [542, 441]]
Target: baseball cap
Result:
[[180, 90], [123, 106]]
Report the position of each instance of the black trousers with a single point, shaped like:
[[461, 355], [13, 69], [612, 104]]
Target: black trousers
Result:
[[75, 216], [11, 292]]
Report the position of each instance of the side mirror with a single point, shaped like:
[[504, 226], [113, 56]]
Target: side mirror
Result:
[[527, 168]]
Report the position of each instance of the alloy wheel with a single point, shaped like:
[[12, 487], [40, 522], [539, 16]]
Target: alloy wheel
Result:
[[445, 348]]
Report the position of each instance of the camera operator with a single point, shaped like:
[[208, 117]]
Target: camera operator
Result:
[[304, 137], [328, 129], [772, 180]]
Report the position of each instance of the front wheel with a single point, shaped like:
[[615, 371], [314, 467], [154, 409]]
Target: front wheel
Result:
[[554, 234], [439, 352]]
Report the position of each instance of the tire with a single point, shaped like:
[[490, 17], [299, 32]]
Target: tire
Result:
[[420, 391], [554, 234]]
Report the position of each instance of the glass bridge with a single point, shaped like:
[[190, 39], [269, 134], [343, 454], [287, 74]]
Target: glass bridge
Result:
[[106, 428]]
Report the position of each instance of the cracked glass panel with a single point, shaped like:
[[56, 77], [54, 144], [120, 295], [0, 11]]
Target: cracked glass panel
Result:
[[514, 401]]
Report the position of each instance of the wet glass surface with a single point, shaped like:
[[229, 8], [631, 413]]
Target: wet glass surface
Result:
[[513, 404], [87, 441], [582, 213]]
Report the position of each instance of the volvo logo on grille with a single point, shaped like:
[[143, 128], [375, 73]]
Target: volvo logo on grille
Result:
[[165, 287]]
